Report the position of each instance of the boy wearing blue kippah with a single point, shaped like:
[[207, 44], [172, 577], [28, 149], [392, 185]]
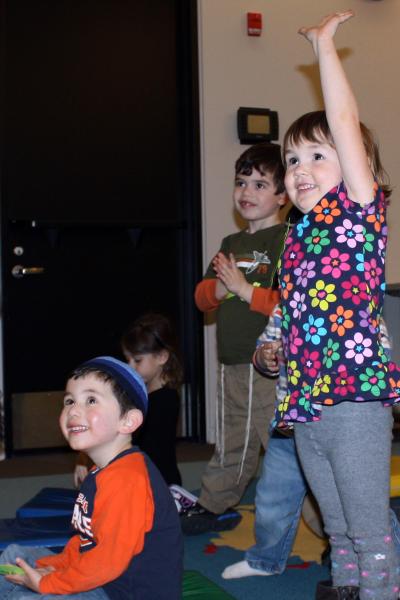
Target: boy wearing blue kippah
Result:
[[128, 544]]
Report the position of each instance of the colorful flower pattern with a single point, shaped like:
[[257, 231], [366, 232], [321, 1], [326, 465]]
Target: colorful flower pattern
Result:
[[332, 279]]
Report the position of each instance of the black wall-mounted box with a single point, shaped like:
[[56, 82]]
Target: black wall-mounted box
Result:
[[257, 125]]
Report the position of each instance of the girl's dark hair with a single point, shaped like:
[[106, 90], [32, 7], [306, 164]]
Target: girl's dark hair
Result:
[[150, 334], [265, 158], [313, 127]]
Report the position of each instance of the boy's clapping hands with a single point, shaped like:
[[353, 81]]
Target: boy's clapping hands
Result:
[[231, 277]]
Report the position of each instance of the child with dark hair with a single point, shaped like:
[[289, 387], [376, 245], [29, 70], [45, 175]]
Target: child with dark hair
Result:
[[128, 541], [150, 347], [238, 284]]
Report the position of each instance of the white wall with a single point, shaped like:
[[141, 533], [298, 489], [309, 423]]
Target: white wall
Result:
[[277, 71]]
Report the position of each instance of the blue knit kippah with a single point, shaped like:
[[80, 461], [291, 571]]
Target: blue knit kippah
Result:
[[130, 381]]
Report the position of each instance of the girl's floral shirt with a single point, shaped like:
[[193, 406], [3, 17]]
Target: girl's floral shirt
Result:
[[332, 283]]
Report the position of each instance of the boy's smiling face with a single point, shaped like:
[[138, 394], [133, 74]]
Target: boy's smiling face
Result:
[[91, 419], [255, 199]]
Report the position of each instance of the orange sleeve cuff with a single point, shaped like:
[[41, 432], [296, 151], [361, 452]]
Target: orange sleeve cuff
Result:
[[204, 295], [59, 561], [264, 300]]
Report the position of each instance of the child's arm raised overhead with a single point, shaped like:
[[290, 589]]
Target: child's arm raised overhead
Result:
[[341, 108]]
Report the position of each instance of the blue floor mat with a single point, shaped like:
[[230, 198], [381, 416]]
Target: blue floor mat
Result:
[[51, 531], [49, 502]]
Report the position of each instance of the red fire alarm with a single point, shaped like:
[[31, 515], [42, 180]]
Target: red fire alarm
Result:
[[254, 23]]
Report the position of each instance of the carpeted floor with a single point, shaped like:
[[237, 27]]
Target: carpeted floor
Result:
[[211, 553]]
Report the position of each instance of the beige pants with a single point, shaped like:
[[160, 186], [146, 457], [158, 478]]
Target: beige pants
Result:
[[233, 465]]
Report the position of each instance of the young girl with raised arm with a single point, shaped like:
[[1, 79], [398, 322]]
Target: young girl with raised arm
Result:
[[340, 383]]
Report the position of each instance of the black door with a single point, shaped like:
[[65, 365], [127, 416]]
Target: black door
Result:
[[99, 191]]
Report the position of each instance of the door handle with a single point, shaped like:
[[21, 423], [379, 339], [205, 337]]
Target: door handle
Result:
[[19, 271]]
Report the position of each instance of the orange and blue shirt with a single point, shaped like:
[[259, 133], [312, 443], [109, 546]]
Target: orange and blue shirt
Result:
[[129, 539]]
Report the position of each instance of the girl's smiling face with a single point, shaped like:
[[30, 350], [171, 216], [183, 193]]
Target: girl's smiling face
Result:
[[312, 170]]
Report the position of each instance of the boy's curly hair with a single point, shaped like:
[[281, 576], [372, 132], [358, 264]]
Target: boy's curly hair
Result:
[[265, 158]]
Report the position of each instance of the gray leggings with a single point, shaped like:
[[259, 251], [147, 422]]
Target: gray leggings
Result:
[[346, 460]]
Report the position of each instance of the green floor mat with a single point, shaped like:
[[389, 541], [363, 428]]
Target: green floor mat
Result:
[[196, 586]]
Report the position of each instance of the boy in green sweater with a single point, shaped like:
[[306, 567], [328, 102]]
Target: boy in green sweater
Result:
[[238, 284]]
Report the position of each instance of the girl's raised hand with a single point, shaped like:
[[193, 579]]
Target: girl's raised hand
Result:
[[326, 28], [341, 108]]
